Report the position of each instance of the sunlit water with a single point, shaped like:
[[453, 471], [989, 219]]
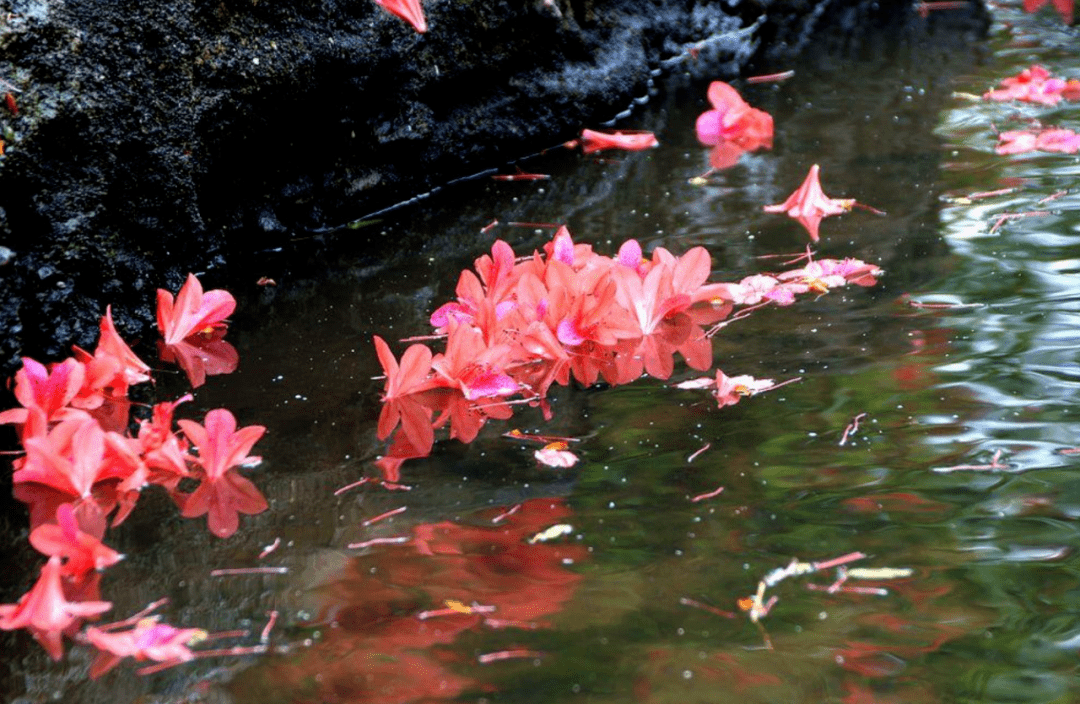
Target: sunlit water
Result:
[[601, 614]]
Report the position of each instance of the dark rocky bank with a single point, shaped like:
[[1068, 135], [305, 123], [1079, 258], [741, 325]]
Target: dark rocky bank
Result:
[[153, 139]]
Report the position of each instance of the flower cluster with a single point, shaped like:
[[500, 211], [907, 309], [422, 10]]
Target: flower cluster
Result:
[[85, 464], [519, 326]]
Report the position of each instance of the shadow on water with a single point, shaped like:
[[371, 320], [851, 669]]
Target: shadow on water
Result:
[[984, 614]]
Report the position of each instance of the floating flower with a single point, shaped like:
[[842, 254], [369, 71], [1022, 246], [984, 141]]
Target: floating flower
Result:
[[732, 120], [223, 492], [556, 454], [192, 326], [809, 204], [46, 612], [593, 141], [731, 389]]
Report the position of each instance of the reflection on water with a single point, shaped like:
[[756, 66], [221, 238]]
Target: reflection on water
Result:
[[601, 613], [384, 619]]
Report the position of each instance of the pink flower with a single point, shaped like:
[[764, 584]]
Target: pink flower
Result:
[[192, 327], [731, 389], [824, 274], [223, 492], [809, 204], [147, 640], [221, 446], [556, 455], [46, 613], [733, 121], [409, 10], [70, 459], [45, 395], [82, 552], [593, 141], [473, 367], [133, 370]]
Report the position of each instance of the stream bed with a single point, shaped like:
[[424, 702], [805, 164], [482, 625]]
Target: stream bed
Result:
[[967, 353]]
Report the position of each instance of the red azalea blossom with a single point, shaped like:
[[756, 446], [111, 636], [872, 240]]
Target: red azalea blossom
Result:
[[192, 326], [409, 10], [45, 394], [520, 325], [82, 552], [556, 455], [809, 204], [46, 612], [133, 370], [223, 492], [192, 312], [70, 459]]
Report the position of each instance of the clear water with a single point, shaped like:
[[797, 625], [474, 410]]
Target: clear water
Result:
[[988, 611]]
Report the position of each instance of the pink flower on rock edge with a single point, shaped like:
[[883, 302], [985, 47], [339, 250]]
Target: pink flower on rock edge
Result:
[[409, 10], [192, 312], [133, 370], [46, 612], [45, 394], [192, 326]]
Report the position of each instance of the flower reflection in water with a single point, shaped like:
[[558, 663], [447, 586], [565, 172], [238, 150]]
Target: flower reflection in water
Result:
[[386, 631]]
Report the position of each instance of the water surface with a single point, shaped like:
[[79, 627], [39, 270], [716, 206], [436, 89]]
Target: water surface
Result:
[[601, 614]]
